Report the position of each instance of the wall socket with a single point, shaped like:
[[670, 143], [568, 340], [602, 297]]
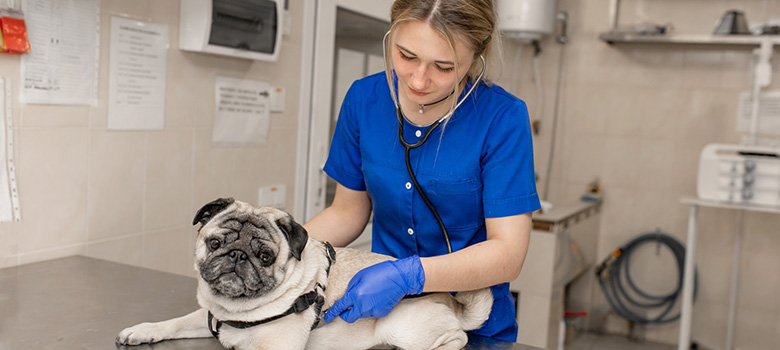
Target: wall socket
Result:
[[272, 196]]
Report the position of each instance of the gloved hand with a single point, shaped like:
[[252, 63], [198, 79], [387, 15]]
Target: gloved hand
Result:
[[375, 290]]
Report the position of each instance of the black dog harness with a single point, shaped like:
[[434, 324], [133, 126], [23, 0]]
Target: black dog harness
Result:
[[299, 305]]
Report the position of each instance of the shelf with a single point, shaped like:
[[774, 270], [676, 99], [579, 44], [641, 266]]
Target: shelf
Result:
[[730, 205], [724, 40]]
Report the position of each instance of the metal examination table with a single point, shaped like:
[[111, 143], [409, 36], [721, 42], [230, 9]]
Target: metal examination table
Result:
[[83, 303]]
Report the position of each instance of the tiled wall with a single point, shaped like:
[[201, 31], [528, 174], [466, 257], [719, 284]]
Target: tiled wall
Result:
[[636, 117], [130, 196]]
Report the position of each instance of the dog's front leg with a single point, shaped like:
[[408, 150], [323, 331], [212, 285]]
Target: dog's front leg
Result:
[[193, 325]]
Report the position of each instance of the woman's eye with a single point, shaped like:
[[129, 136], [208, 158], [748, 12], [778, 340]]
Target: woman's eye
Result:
[[411, 58], [214, 244], [405, 57]]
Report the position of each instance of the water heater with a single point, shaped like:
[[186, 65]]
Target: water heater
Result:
[[526, 20]]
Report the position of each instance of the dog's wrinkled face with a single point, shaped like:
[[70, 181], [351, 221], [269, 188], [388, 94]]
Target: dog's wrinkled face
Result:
[[242, 250], [241, 253]]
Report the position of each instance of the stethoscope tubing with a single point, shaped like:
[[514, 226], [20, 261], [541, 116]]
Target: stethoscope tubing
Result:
[[427, 201], [440, 120], [410, 146]]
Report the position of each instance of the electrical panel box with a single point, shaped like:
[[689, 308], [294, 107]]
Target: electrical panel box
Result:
[[250, 29]]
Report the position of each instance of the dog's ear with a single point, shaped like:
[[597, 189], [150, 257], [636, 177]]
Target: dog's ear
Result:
[[295, 233], [211, 209]]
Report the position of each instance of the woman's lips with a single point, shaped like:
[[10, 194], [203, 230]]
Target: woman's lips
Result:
[[418, 93]]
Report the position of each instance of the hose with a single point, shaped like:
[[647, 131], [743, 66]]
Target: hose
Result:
[[613, 275]]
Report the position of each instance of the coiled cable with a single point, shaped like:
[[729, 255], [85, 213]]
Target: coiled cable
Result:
[[623, 294]]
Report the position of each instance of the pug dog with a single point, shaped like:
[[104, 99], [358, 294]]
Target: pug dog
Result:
[[263, 284]]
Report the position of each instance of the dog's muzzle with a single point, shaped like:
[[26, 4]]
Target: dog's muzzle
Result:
[[235, 274]]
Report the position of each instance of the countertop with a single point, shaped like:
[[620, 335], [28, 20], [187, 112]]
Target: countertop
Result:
[[561, 217], [83, 303]]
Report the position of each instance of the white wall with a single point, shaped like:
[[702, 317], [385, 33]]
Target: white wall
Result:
[[637, 117], [130, 196]]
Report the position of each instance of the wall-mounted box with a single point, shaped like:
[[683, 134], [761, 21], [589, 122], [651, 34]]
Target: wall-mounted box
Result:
[[250, 29]]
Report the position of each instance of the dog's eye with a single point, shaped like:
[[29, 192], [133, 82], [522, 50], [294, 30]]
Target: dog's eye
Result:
[[265, 258], [214, 244]]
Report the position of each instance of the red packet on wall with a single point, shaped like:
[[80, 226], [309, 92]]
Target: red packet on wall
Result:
[[14, 32]]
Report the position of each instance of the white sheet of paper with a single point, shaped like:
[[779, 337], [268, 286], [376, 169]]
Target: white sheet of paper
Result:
[[242, 111], [9, 196], [6, 212], [62, 67], [768, 112], [136, 78]]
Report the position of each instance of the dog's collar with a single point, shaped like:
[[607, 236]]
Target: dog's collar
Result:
[[299, 305], [331, 253]]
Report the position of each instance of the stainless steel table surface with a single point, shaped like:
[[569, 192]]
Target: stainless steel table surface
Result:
[[83, 303]]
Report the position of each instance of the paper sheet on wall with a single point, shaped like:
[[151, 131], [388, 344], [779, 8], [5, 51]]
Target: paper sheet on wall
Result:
[[62, 67], [768, 112], [136, 78], [9, 195], [242, 111]]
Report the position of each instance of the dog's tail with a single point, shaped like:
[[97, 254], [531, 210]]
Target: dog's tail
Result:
[[474, 307]]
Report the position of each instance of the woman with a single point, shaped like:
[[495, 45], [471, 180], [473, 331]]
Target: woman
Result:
[[476, 168]]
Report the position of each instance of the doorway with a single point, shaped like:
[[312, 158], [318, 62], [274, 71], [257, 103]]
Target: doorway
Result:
[[345, 43], [358, 54]]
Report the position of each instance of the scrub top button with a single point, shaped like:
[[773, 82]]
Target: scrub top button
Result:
[[408, 185], [418, 133], [411, 232]]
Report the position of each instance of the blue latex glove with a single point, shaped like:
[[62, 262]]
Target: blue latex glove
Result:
[[375, 290]]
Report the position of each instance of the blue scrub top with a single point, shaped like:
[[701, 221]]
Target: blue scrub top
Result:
[[478, 165]]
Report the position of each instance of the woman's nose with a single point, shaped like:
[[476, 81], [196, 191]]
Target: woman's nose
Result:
[[420, 77]]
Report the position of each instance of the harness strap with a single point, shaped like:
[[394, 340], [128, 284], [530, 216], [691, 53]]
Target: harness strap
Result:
[[215, 329], [331, 253], [413, 296], [299, 305]]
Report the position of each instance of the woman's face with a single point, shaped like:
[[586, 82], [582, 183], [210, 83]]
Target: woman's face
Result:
[[423, 61]]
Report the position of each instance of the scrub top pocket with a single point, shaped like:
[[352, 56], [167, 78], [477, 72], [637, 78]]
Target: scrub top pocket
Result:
[[457, 201]]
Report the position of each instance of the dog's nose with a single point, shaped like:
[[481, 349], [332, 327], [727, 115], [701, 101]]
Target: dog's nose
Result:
[[237, 255]]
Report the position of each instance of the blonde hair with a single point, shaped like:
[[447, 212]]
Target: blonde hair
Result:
[[473, 21]]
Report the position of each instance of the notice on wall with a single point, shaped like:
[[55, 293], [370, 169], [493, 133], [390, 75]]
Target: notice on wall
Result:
[[9, 195], [768, 112], [242, 111], [136, 78], [62, 67]]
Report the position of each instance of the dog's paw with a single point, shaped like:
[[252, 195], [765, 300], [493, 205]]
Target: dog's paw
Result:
[[140, 334]]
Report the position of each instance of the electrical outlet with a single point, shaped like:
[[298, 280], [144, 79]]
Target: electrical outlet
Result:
[[277, 99], [272, 196]]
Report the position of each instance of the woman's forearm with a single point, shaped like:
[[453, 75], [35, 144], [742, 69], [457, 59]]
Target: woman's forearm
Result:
[[497, 260]]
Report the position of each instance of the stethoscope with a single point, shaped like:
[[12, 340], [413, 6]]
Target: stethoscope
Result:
[[410, 146]]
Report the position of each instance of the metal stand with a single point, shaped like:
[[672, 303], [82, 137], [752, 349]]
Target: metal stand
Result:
[[690, 262], [734, 281]]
